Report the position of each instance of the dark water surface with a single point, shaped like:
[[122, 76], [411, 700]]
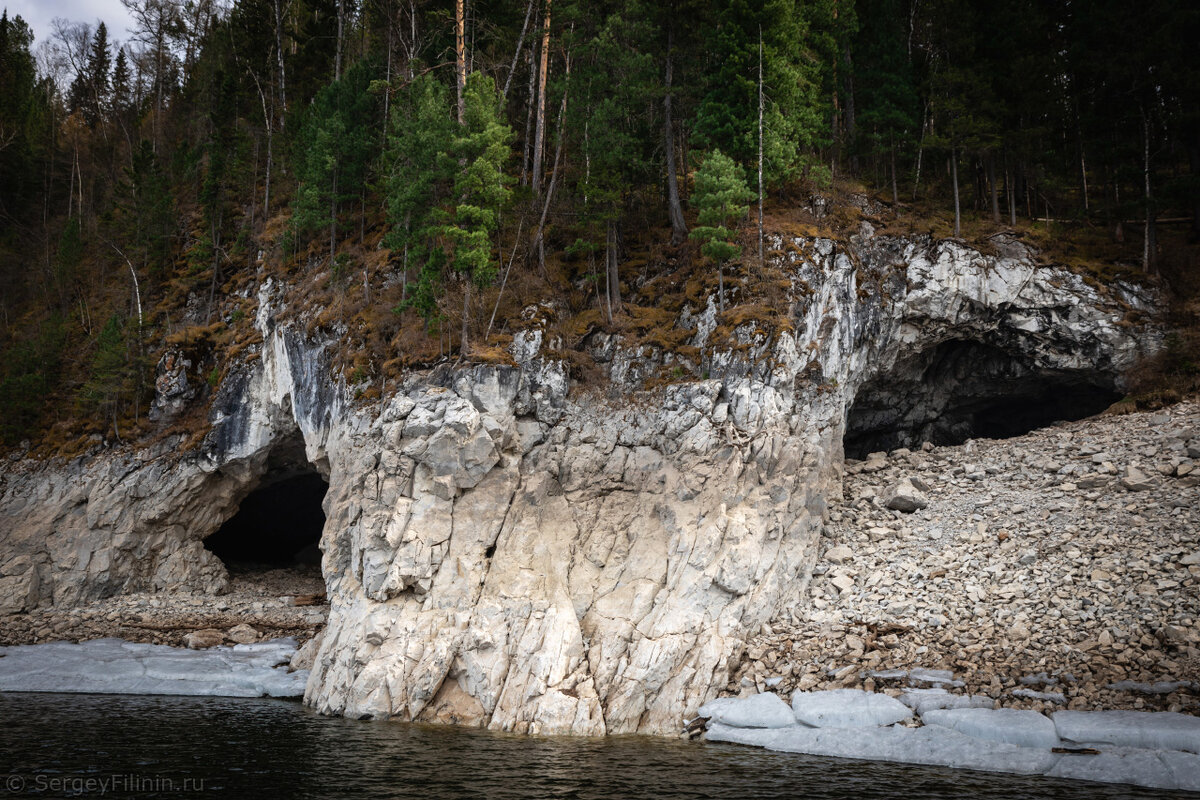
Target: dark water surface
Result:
[[55, 745]]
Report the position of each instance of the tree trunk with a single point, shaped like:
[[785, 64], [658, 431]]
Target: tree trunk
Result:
[[282, 77], [993, 191], [895, 192], [760, 148], [679, 229], [1083, 183], [614, 280], [460, 61], [333, 221], [520, 41], [1148, 243], [850, 112], [527, 155], [954, 178], [921, 149], [721, 287], [540, 126], [538, 238], [1193, 148], [387, 93], [462, 342], [337, 57]]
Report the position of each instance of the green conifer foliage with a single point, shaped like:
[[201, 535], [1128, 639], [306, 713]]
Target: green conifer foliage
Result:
[[29, 371], [720, 199], [481, 187], [413, 175], [794, 118], [113, 374], [333, 151]]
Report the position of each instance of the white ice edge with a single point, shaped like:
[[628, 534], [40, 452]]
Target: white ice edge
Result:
[[114, 666], [1139, 748]]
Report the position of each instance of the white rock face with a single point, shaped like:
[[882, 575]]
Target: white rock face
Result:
[[502, 552]]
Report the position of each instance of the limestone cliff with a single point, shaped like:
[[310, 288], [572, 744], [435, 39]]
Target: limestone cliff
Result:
[[505, 549]]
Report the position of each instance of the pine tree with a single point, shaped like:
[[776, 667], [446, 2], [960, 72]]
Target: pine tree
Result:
[[111, 375], [612, 126], [794, 120], [418, 131], [25, 131], [144, 213], [480, 149], [887, 93], [720, 199], [333, 149]]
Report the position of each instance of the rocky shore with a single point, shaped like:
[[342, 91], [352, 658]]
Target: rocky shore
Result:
[[1056, 570], [259, 606]]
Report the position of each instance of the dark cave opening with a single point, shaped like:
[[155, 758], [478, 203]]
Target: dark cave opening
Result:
[[963, 390], [279, 524]]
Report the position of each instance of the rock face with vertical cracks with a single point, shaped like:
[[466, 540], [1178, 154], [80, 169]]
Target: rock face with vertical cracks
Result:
[[503, 550]]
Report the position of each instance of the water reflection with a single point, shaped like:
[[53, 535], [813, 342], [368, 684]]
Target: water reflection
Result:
[[271, 748]]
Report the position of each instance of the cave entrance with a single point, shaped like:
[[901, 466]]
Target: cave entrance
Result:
[[961, 390], [279, 523]]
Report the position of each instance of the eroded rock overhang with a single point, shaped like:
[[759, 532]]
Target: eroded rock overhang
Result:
[[501, 551]]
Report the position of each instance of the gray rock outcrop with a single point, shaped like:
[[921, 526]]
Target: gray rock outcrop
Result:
[[502, 551]]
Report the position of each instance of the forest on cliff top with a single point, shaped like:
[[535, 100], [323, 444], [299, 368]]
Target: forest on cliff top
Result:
[[431, 175]]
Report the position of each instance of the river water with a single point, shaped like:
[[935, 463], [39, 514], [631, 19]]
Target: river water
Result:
[[56, 745]]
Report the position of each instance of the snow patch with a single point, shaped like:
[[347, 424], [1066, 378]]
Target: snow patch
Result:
[[1008, 725], [1157, 730], [922, 700], [847, 708], [114, 666], [931, 745], [757, 711]]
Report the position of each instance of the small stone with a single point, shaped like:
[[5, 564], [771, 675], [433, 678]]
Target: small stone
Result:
[[844, 583], [204, 638], [1135, 480], [243, 634], [839, 555]]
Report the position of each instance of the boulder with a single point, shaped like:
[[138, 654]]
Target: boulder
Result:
[[903, 496]]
